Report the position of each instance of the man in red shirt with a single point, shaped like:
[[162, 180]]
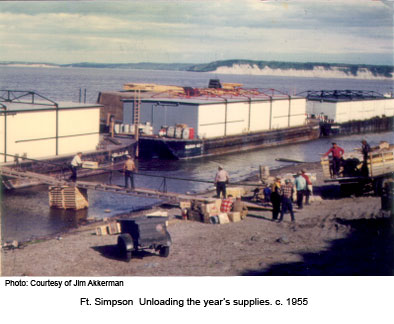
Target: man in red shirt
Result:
[[308, 191], [227, 204], [336, 153]]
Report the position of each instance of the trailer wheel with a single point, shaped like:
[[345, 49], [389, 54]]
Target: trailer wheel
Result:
[[125, 246], [164, 251]]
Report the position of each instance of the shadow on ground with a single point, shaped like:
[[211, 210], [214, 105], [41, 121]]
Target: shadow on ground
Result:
[[112, 252], [367, 251]]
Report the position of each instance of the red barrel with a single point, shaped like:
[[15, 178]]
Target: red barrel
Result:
[[191, 132]]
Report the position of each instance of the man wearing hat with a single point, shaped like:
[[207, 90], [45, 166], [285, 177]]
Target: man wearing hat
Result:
[[336, 153], [129, 168], [76, 163], [287, 194], [221, 179], [276, 198]]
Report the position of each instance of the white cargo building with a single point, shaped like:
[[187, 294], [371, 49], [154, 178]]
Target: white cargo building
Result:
[[44, 129], [219, 116], [341, 106]]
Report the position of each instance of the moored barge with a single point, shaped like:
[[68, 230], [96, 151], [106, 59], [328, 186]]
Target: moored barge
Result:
[[184, 123]]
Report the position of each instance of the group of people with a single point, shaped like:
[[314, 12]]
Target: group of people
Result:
[[282, 195], [230, 205]]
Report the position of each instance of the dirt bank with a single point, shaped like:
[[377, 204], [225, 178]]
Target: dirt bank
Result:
[[332, 236]]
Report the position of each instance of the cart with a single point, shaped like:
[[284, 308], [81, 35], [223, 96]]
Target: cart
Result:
[[144, 233], [358, 177]]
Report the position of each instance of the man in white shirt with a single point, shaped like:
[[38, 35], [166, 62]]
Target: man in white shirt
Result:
[[221, 180], [75, 164]]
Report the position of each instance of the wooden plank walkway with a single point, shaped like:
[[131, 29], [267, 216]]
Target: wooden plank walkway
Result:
[[138, 192]]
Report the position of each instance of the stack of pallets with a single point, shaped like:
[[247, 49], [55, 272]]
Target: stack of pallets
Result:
[[68, 197]]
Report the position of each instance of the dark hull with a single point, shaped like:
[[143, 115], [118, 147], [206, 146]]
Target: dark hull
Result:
[[168, 148], [373, 125]]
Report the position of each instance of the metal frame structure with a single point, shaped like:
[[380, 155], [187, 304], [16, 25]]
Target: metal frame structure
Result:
[[341, 95]]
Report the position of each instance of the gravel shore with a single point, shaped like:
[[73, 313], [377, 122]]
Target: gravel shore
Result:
[[332, 236]]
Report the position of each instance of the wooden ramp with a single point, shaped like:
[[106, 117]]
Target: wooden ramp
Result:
[[138, 192]]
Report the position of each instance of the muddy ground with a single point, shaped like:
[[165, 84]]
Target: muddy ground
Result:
[[332, 236]]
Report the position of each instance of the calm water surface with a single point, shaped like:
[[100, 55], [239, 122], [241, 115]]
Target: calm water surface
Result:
[[25, 213]]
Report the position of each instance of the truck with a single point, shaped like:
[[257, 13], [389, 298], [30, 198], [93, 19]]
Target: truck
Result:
[[357, 176]]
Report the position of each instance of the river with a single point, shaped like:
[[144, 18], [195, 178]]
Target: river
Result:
[[26, 214]]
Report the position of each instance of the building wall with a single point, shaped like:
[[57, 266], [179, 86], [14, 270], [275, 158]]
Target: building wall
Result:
[[211, 120], [78, 130], [352, 110], [221, 118], [34, 132], [260, 116], [288, 113]]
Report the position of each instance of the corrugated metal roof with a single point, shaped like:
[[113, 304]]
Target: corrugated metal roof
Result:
[[41, 106]]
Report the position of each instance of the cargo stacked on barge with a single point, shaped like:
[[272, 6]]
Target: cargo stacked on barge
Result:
[[190, 122]]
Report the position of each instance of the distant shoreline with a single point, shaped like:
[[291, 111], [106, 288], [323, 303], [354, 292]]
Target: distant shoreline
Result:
[[235, 68], [315, 73]]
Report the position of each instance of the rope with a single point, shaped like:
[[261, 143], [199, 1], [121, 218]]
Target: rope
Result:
[[140, 174]]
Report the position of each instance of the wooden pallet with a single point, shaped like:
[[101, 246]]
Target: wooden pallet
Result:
[[68, 197]]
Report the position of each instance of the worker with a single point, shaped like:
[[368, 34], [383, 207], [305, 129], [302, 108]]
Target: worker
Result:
[[365, 150], [129, 169], [337, 153], [287, 205], [227, 204], [309, 188], [221, 181], [76, 163], [267, 194], [240, 207], [276, 198], [300, 184]]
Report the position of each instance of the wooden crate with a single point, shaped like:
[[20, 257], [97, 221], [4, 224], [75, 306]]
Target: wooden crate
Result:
[[66, 197], [236, 192], [234, 217]]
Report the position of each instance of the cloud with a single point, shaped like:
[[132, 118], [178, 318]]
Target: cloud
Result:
[[192, 31]]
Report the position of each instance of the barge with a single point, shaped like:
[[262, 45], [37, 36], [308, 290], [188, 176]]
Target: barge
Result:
[[346, 112], [181, 122], [172, 148], [184, 123]]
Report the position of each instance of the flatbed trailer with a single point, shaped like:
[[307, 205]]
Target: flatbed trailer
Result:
[[357, 177]]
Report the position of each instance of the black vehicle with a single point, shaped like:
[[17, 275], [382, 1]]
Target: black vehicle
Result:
[[145, 232]]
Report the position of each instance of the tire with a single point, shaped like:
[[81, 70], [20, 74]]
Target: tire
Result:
[[125, 246], [164, 251]]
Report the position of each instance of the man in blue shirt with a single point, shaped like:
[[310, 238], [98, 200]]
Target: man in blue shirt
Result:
[[300, 184]]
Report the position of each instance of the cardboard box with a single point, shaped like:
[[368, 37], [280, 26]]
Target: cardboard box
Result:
[[210, 208], [90, 165], [185, 204], [113, 228], [235, 191], [223, 218], [234, 216], [102, 230]]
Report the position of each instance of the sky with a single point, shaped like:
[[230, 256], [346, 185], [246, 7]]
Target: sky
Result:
[[346, 31]]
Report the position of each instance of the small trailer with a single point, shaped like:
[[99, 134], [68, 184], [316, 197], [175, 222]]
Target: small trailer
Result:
[[357, 176], [141, 233]]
